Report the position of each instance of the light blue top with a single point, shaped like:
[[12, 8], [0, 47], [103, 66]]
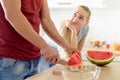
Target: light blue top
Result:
[[83, 32]]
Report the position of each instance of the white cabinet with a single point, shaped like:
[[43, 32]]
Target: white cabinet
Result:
[[63, 4]]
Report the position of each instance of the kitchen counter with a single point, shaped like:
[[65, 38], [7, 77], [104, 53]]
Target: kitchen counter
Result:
[[109, 72]]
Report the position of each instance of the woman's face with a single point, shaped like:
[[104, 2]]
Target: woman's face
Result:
[[80, 17]]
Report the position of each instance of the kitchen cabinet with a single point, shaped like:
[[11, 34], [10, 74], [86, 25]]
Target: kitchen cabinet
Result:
[[63, 4]]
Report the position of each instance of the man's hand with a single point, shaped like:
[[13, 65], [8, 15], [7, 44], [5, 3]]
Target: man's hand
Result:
[[51, 56]]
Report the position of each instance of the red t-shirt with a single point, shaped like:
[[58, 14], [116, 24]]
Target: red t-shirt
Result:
[[12, 45]]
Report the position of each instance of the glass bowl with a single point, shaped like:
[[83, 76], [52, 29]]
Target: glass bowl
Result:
[[87, 72]]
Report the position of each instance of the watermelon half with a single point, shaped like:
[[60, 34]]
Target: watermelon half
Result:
[[100, 58]]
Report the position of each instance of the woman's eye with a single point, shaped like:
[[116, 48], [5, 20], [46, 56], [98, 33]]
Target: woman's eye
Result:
[[81, 18], [75, 14]]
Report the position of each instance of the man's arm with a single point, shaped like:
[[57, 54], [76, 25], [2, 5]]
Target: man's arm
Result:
[[13, 14], [50, 28], [20, 23]]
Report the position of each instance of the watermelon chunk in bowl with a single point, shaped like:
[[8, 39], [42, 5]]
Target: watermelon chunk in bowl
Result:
[[74, 63], [100, 58]]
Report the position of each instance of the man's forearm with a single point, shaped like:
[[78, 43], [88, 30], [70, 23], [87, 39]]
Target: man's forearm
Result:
[[51, 30]]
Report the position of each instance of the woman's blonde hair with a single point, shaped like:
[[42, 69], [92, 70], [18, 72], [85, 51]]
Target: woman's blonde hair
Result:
[[86, 9]]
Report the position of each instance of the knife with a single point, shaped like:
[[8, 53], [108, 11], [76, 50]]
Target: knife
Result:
[[63, 62]]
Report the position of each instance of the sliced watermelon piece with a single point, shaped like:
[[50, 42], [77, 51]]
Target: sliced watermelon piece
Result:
[[100, 58], [75, 67], [74, 59]]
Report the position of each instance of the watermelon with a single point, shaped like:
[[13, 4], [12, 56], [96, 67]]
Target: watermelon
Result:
[[75, 67], [75, 59], [100, 58]]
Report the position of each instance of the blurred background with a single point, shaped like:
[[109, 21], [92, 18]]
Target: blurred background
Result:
[[105, 19]]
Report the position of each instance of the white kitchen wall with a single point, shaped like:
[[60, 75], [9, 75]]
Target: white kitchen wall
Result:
[[104, 23]]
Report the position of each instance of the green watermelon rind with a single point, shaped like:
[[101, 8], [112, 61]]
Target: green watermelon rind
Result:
[[101, 62]]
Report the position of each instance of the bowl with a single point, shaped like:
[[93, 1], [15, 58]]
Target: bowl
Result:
[[87, 72]]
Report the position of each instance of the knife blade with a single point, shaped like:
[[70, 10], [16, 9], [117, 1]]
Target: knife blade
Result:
[[63, 62]]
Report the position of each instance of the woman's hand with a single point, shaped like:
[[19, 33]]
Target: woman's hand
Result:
[[71, 50], [71, 26]]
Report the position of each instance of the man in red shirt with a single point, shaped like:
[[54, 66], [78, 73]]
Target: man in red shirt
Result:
[[20, 42]]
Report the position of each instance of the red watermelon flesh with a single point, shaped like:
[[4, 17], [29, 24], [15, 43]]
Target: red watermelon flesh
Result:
[[74, 59], [100, 55]]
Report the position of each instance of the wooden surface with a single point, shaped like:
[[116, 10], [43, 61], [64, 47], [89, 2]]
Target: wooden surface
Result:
[[109, 72]]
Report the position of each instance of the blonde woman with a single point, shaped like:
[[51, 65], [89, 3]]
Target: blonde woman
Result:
[[75, 29]]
